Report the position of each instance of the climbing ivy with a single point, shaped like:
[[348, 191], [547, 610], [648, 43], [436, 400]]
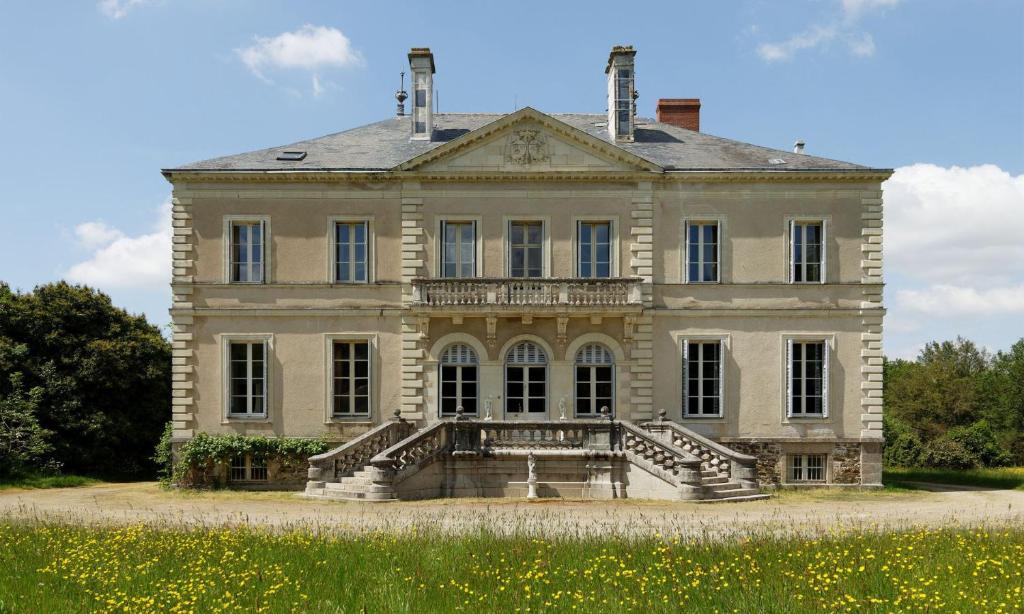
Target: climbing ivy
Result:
[[197, 459]]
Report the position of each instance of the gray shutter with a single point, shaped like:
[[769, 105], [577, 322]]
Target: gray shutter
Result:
[[824, 255], [789, 378], [792, 251], [721, 378], [825, 351], [686, 379], [686, 257], [265, 245]]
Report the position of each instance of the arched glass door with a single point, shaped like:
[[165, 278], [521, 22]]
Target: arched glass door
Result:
[[526, 380]]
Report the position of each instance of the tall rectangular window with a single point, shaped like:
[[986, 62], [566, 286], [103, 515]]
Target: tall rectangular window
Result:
[[248, 378], [807, 468], [807, 252], [350, 251], [458, 250], [702, 378], [595, 249], [526, 249], [702, 252], [808, 366], [351, 378], [247, 251]]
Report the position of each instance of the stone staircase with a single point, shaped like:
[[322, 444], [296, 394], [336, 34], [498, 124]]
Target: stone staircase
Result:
[[374, 466]]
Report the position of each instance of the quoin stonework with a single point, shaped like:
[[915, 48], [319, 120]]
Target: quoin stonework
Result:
[[646, 309]]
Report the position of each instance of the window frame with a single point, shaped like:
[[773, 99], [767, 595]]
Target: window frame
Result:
[[229, 222], [612, 380], [790, 247], [249, 468], [613, 244], [828, 341], [332, 248], [685, 381], [547, 381], [478, 252], [685, 261], [267, 340], [441, 364], [545, 222], [373, 368], [805, 467]]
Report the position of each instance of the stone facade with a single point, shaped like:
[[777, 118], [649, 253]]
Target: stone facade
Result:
[[642, 313]]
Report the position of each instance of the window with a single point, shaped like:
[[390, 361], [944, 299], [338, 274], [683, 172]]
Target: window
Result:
[[702, 378], [595, 370], [351, 379], [351, 240], [458, 250], [248, 469], [248, 378], [807, 255], [526, 379], [807, 468], [595, 249], [246, 253], [526, 249], [702, 252], [459, 381], [807, 378]]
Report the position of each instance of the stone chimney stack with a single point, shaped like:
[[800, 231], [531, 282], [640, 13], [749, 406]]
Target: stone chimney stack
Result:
[[421, 65], [621, 81], [681, 112]]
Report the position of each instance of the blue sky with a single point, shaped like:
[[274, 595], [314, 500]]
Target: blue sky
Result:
[[96, 97]]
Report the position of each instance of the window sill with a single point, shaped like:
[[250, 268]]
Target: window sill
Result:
[[349, 420], [704, 417], [250, 419]]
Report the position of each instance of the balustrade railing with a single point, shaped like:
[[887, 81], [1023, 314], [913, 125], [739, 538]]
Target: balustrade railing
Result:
[[573, 292], [357, 453], [713, 455]]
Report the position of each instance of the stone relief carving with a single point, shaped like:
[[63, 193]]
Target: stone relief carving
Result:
[[527, 147]]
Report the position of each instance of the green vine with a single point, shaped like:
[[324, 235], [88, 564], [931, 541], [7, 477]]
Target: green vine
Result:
[[197, 459]]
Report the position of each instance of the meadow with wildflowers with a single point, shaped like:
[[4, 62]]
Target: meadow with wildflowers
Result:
[[57, 567]]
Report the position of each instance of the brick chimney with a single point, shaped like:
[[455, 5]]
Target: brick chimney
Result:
[[682, 112]]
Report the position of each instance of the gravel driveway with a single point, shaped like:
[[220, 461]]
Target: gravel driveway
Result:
[[801, 513]]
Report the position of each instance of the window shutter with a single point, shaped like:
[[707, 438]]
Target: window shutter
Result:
[[789, 378], [721, 378], [792, 251], [825, 351], [264, 244], [686, 376], [824, 255], [718, 251], [686, 259], [476, 260]]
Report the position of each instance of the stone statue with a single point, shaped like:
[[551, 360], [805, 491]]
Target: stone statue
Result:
[[487, 409], [531, 476], [561, 408]]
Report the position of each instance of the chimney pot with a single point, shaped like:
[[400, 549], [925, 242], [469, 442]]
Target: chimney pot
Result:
[[680, 112], [798, 147]]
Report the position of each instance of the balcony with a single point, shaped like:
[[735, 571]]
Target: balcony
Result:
[[516, 295]]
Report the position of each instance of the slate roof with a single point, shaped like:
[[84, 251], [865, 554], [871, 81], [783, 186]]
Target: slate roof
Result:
[[386, 144]]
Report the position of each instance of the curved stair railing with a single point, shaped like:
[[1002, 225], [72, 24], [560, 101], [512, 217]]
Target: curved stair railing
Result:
[[391, 466], [713, 456], [354, 455], [670, 463]]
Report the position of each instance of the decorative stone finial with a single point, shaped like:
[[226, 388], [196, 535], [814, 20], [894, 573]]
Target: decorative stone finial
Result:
[[661, 415], [605, 413], [460, 414], [398, 415]]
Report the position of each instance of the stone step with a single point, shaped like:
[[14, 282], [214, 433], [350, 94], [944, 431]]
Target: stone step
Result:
[[343, 487], [715, 480], [723, 487], [356, 480], [736, 491], [737, 499]]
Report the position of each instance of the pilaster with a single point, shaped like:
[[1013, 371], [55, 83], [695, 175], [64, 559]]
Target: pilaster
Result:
[[641, 349], [415, 334], [871, 401]]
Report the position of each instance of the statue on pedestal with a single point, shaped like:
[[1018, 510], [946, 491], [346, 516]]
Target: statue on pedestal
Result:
[[531, 477]]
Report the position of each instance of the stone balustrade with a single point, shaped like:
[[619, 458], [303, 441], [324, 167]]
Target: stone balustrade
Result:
[[357, 453], [512, 293], [713, 456]]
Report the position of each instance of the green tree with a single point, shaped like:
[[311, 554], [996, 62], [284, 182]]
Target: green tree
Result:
[[23, 443], [103, 375]]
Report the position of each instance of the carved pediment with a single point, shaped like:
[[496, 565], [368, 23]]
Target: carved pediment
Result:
[[528, 142]]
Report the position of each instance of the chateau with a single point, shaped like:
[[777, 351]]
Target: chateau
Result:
[[635, 307]]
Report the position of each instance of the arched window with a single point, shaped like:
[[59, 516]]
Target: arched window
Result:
[[526, 379], [595, 380], [459, 380]]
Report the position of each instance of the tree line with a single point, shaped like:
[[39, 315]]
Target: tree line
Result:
[[85, 388]]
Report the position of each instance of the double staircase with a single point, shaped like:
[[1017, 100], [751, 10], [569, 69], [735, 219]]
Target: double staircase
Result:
[[598, 459]]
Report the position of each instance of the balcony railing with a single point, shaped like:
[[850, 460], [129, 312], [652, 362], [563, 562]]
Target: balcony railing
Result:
[[508, 292]]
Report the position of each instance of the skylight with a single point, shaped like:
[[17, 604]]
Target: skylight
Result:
[[291, 156]]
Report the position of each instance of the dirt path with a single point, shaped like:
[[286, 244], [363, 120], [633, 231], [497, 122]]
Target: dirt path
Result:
[[805, 514]]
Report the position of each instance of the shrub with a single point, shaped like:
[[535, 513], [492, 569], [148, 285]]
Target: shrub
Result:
[[198, 458], [903, 446], [163, 456], [980, 440], [24, 445], [948, 454]]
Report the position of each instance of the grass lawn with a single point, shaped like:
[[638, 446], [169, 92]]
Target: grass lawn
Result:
[[996, 477], [134, 569], [55, 481]]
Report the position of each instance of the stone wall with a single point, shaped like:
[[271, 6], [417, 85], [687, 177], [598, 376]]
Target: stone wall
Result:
[[844, 459]]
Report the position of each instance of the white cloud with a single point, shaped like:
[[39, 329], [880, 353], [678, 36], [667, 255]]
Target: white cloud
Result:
[[843, 25], [121, 261], [958, 226], [310, 48], [947, 301], [119, 9]]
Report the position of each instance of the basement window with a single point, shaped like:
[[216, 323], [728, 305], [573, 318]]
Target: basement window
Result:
[[248, 469], [807, 468], [291, 156]]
